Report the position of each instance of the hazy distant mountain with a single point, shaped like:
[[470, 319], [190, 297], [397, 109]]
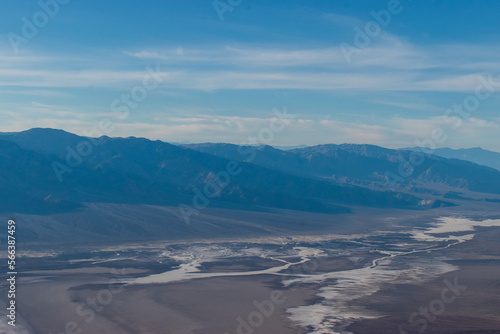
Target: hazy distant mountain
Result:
[[476, 155], [365, 165], [286, 148], [140, 171]]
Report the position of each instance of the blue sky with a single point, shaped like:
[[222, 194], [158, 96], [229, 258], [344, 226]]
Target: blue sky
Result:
[[222, 79]]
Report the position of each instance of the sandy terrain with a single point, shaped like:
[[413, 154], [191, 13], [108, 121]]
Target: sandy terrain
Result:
[[206, 306], [475, 310]]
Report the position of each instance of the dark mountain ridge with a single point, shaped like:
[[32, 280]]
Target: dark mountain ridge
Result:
[[368, 165], [141, 171]]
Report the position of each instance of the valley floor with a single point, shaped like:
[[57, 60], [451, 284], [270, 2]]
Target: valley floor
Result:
[[411, 275]]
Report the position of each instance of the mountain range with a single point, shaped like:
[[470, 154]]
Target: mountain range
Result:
[[477, 155], [48, 171], [368, 166]]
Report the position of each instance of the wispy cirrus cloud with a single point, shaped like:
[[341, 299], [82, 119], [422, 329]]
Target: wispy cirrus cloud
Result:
[[220, 79], [393, 65], [411, 105]]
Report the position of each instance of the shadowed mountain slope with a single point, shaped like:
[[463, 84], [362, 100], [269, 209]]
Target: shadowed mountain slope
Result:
[[140, 171]]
